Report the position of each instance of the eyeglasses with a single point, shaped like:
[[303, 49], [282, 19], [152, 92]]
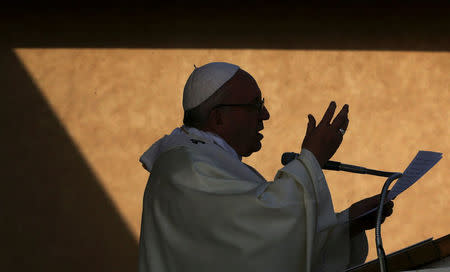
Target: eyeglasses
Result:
[[258, 106]]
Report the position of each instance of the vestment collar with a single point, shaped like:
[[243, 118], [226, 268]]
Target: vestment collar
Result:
[[206, 135]]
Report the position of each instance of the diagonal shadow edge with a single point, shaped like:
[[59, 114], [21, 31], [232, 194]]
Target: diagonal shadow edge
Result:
[[58, 216]]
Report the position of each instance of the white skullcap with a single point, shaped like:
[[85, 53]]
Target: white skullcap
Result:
[[205, 81]]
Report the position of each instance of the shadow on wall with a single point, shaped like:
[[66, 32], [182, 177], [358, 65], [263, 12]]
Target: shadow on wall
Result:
[[56, 216], [242, 26]]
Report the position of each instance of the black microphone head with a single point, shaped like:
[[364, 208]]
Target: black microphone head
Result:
[[287, 157]]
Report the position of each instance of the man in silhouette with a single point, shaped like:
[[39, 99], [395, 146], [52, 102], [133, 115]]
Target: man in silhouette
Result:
[[206, 210]]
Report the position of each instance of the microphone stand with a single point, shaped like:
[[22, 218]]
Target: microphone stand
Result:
[[379, 243], [337, 166], [391, 176]]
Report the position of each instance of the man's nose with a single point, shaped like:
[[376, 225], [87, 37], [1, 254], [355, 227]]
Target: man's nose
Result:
[[265, 115]]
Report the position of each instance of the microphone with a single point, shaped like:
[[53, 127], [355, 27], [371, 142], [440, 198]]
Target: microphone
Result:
[[337, 166]]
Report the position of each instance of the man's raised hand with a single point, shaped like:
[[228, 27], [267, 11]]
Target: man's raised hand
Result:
[[324, 139]]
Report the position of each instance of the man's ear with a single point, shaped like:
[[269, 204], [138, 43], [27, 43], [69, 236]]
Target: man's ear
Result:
[[216, 117], [214, 122]]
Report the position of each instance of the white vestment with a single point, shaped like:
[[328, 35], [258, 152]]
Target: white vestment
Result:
[[205, 210]]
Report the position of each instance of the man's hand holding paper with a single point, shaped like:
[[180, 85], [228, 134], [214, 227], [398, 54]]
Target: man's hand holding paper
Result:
[[360, 220]]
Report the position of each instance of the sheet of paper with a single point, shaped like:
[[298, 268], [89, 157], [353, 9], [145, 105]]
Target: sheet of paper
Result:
[[423, 162]]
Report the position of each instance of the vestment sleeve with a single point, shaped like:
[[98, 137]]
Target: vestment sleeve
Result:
[[329, 246]]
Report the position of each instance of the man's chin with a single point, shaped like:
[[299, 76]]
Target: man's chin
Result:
[[256, 148]]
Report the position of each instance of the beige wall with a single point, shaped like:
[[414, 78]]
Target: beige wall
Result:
[[114, 103]]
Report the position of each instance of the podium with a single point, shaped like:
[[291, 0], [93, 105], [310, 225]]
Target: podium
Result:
[[426, 254]]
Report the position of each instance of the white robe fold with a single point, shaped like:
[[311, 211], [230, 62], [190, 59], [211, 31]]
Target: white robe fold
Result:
[[205, 210]]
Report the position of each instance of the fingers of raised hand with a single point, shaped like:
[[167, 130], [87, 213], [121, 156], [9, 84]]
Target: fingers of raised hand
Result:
[[344, 127], [309, 128], [328, 114], [312, 122], [341, 120]]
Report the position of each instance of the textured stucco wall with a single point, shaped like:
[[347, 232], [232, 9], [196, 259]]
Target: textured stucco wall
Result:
[[114, 103]]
